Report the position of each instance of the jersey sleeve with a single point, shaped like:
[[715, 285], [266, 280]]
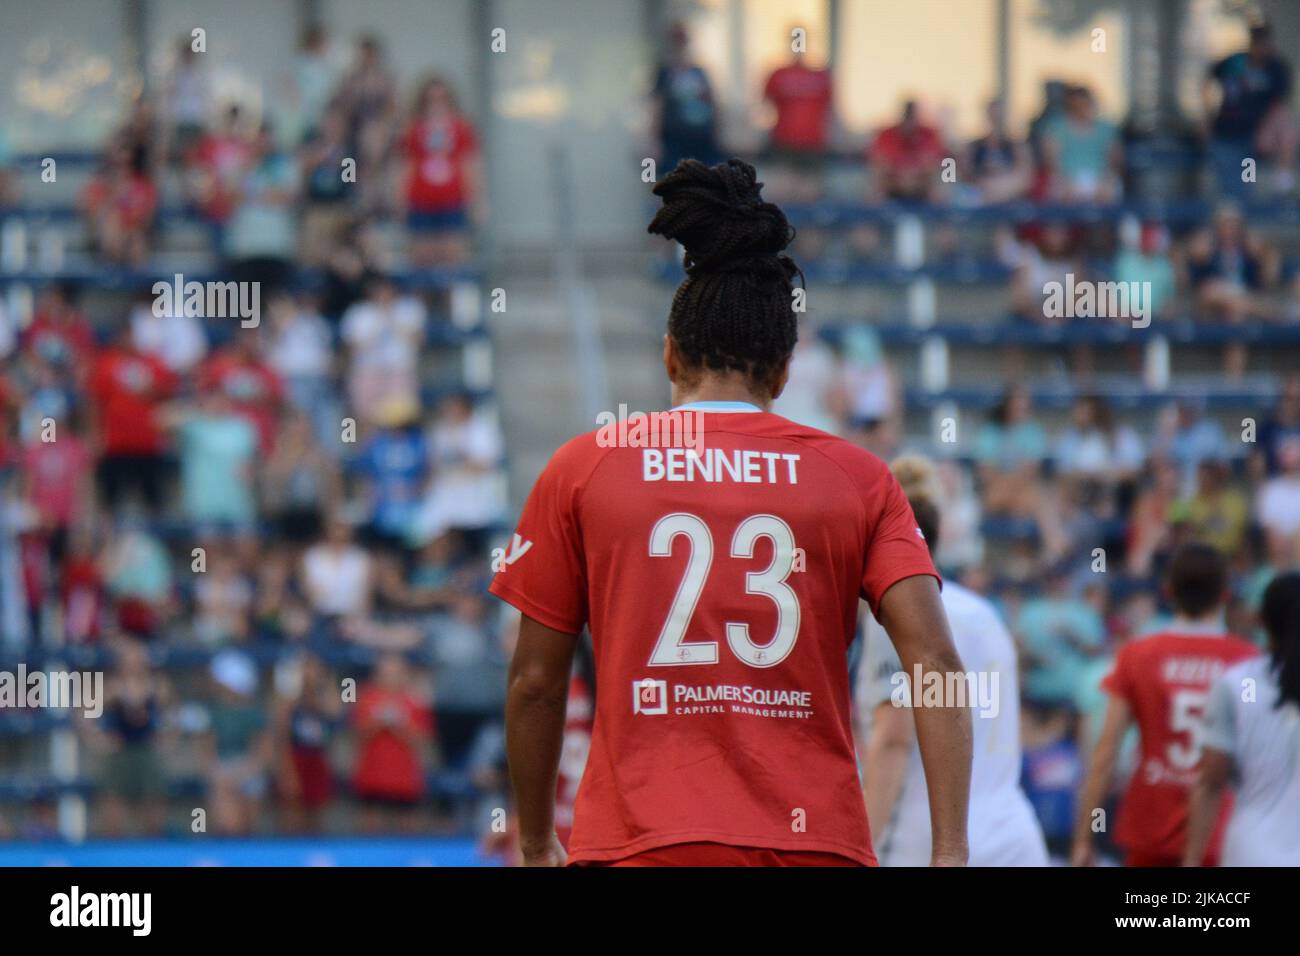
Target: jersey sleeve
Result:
[[1220, 730], [895, 549], [542, 570], [1120, 681]]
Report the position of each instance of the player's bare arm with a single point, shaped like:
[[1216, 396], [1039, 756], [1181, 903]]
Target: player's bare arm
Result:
[[536, 694], [1206, 798], [1101, 769], [886, 754], [913, 616]]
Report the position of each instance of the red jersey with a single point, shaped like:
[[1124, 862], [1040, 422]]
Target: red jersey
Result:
[[1165, 679], [439, 151], [721, 585], [802, 97], [128, 388], [573, 754]]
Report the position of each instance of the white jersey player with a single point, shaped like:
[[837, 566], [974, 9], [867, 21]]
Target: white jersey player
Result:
[[1002, 828], [1251, 738]]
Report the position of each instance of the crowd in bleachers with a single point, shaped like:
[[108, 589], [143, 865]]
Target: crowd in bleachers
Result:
[[1065, 511], [235, 516]]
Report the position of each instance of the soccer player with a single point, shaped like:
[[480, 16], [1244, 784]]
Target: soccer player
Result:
[[1161, 683], [719, 573], [1252, 738], [1003, 829]]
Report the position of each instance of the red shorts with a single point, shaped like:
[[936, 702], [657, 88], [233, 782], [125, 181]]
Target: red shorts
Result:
[[1147, 858], [721, 854]]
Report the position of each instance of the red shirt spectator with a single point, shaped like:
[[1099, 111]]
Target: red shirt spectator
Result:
[[252, 386], [130, 197], [906, 157], [393, 725], [127, 388], [59, 334], [55, 473], [802, 97], [439, 151], [217, 165]]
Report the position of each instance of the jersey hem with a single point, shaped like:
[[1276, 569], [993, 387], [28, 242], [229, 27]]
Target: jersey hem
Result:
[[660, 840]]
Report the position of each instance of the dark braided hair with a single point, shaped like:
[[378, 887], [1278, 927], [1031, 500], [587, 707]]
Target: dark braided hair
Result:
[[1280, 611], [734, 310]]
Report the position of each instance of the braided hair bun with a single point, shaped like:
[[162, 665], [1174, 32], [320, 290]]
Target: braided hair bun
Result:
[[734, 310]]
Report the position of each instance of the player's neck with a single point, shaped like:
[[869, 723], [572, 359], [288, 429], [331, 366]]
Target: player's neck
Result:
[[719, 392]]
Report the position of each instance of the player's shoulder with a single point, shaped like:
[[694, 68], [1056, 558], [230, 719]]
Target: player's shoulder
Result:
[[578, 457], [853, 459]]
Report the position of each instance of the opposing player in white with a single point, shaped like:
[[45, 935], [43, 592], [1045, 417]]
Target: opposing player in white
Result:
[[1252, 741], [1002, 828]]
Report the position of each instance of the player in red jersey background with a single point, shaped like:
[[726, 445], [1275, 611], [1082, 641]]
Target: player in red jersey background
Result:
[[1161, 683], [720, 579]]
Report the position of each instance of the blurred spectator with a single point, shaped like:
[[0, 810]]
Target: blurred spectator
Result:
[[1082, 152], [1278, 507], [801, 97], [261, 235], [1253, 118], [299, 483], [216, 164], [138, 577], [393, 465], [1188, 436], [308, 711], [1096, 447], [131, 735], [394, 726], [1229, 268], [127, 388], [1009, 450], [368, 96], [337, 575], [1150, 527], [242, 373], [467, 492], [327, 193], [1281, 427], [1144, 258], [59, 332], [866, 393], [807, 398], [312, 81], [187, 98], [383, 333], [176, 338], [998, 165], [685, 116], [223, 598], [442, 177], [905, 158], [119, 202], [1059, 634], [238, 746], [218, 451], [1217, 514], [1050, 258], [57, 483]]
